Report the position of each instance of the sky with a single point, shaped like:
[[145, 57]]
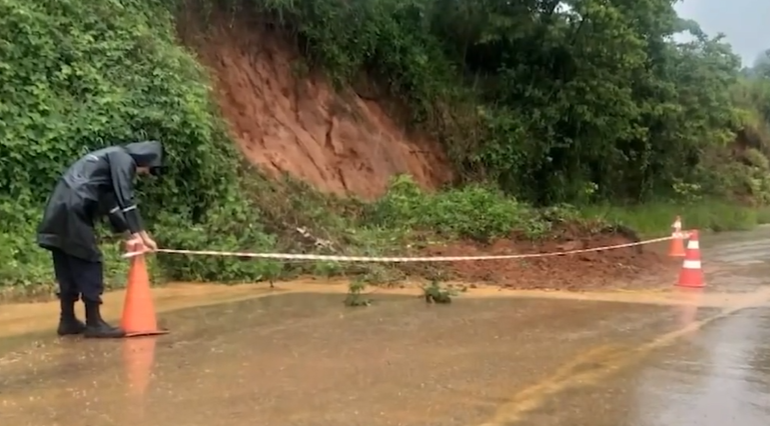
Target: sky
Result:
[[746, 23]]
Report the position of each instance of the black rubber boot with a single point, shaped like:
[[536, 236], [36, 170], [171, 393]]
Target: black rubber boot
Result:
[[69, 324], [96, 327]]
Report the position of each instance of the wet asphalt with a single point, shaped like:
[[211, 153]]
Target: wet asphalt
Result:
[[305, 360]]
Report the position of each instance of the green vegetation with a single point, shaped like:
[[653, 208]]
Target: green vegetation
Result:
[[355, 297], [437, 293], [540, 104], [650, 219], [76, 77]]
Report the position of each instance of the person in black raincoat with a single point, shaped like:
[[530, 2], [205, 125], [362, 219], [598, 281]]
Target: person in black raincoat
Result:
[[97, 185]]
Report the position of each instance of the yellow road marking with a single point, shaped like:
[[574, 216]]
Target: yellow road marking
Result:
[[603, 362]]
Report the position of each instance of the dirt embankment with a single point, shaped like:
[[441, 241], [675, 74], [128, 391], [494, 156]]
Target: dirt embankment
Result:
[[288, 120]]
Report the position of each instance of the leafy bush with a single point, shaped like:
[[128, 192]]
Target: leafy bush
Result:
[[473, 211], [78, 76], [545, 100]]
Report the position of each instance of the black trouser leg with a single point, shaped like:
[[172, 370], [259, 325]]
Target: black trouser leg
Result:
[[68, 295], [90, 281], [68, 290]]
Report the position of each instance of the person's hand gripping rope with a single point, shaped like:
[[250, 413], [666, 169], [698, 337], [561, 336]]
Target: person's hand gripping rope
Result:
[[141, 243]]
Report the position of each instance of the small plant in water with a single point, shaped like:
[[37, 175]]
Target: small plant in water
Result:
[[354, 297], [436, 293]]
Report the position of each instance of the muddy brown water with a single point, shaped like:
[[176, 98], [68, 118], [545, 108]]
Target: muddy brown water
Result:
[[297, 356]]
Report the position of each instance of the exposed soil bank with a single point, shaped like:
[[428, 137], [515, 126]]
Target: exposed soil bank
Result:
[[288, 120]]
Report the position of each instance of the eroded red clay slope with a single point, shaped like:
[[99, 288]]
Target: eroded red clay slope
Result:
[[344, 144], [339, 143]]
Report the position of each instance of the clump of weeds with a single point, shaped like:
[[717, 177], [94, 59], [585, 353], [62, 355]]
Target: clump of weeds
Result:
[[355, 297], [437, 293]]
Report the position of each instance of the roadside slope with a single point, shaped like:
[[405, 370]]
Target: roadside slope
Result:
[[288, 120]]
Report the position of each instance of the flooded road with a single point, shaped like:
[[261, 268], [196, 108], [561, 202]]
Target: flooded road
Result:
[[300, 359], [716, 376]]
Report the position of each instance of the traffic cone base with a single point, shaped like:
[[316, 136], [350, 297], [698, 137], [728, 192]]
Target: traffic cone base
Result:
[[146, 333], [691, 276], [138, 309]]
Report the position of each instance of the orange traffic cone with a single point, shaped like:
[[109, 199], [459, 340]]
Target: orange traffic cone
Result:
[[691, 274], [138, 309], [677, 241]]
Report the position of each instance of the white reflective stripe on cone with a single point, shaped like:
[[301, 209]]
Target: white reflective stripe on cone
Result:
[[691, 264], [693, 245]]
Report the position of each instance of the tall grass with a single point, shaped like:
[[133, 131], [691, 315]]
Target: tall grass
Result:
[[654, 219]]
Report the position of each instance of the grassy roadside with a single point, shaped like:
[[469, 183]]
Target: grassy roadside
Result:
[[402, 222], [654, 219]]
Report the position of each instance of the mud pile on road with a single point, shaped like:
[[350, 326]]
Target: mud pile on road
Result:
[[644, 266]]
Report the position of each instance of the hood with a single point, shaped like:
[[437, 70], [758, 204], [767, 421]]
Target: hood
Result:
[[146, 154]]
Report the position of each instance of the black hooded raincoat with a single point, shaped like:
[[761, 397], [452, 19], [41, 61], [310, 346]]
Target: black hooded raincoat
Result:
[[98, 184]]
